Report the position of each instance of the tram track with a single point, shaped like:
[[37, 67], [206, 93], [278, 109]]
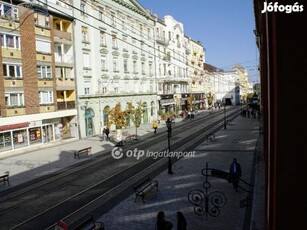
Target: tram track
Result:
[[67, 192]]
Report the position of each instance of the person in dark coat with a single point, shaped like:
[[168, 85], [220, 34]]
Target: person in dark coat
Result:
[[107, 132], [235, 173], [163, 224], [181, 221]]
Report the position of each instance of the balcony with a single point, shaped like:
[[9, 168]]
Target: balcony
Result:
[[162, 41], [187, 51], [62, 35], [167, 58], [67, 59], [66, 105]]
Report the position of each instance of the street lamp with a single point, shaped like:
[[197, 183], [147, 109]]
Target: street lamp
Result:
[[169, 133], [225, 123]]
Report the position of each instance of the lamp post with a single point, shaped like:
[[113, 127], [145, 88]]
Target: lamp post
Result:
[[169, 133], [225, 123]]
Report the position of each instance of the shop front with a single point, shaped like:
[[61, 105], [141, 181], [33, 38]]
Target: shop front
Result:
[[25, 134]]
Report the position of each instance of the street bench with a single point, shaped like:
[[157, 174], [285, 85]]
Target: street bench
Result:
[[210, 137], [145, 187], [130, 138], [5, 178], [88, 223], [80, 152]]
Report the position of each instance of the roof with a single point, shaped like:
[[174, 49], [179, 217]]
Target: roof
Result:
[[211, 68]]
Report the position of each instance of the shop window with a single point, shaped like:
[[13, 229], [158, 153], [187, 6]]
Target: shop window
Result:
[[35, 135], [20, 138], [5, 141]]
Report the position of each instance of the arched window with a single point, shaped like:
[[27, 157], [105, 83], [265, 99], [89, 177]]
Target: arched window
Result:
[[106, 115]]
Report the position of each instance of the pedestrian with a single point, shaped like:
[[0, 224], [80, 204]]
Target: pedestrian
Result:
[[248, 113], [155, 126], [107, 132], [169, 126], [161, 223], [181, 221], [235, 173]]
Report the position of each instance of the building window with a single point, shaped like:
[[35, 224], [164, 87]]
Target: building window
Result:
[[143, 67], [148, 33], [44, 71], [14, 99], [8, 11], [114, 42], [83, 8], [12, 70], [43, 47], [85, 34], [125, 65], [141, 30], [104, 90], [103, 63], [10, 41], [132, 26], [123, 24], [150, 69], [101, 14], [103, 39], [115, 89], [135, 68], [87, 86], [46, 97], [41, 20], [115, 65], [86, 61], [113, 19]]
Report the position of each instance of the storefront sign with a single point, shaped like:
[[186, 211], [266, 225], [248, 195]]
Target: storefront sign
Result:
[[35, 123], [167, 101], [15, 126]]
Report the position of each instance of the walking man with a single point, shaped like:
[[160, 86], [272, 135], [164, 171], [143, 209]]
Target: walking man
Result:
[[155, 126], [107, 132], [235, 173]]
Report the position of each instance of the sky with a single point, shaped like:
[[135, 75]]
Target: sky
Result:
[[224, 27]]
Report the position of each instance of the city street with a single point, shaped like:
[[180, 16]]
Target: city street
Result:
[[239, 140]]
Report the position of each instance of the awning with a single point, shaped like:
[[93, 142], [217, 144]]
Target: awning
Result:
[[14, 126]]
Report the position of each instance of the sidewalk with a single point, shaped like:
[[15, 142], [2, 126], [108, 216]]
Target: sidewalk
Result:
[[239, 140], [27, 164]]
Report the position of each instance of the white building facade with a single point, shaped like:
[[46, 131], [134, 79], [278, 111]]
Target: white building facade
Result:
[[171, 68], [115, 60]]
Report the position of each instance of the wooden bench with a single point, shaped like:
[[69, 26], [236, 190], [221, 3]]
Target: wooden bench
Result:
[[5, 178], [130, 138], [210, 137], [89, 224], [145, 187], [82, 151]]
